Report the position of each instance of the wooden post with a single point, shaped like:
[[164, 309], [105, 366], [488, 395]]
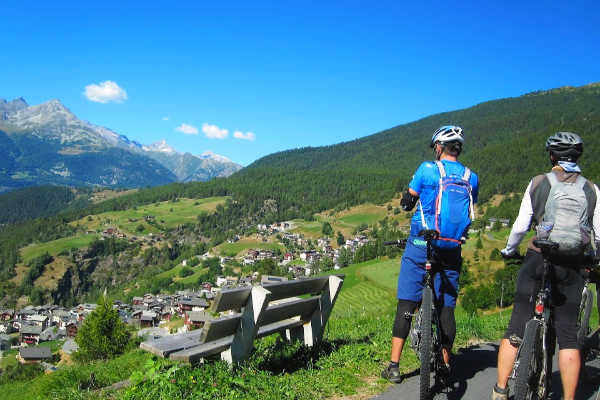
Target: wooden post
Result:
[[243, 339]]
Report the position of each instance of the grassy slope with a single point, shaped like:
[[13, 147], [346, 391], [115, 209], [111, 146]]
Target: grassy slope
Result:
[[240, 247], [167, 214], [56, 246]]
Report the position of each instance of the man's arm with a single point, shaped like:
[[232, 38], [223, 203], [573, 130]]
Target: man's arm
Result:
[[596, 221], [521, 225], [409, 199]]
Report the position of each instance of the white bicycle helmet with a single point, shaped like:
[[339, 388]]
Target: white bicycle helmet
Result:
[[565, 146], [446, 134]]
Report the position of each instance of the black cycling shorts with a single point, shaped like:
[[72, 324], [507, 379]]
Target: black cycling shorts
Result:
[[566, 296]]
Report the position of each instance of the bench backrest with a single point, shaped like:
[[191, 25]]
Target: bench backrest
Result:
[[274, 304]]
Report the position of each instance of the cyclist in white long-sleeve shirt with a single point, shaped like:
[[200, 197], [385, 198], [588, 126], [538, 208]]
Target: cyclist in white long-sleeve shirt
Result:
[[565, 148]]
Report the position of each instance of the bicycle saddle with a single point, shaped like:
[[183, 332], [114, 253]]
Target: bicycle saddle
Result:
[[545, 245], [429, 234]]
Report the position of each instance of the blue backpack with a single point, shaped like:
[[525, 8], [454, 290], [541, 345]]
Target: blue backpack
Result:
[[453, 208]]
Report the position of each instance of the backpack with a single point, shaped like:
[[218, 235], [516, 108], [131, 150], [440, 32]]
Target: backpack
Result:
[[453, 208], [566, 218]]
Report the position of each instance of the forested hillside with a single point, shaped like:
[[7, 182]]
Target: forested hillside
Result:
[[43, 201], [504, 144]]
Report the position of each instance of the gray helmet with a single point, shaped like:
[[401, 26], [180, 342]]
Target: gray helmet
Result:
[[565, 146]]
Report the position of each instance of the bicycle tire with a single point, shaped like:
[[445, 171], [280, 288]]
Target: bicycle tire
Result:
[[426, 343], [530, 362], [585, 312]]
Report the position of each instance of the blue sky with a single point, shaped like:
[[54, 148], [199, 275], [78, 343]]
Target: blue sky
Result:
[[293, 73]]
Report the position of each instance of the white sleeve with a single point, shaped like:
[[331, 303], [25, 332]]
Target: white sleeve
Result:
[[596, 220], [522, 223]]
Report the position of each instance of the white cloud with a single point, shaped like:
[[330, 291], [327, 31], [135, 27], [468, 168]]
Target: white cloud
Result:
[[187, 129], [165, 118], [244, 136], [214, 132], [105, 92]]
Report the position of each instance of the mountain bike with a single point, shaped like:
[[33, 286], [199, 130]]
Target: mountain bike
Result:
[[585, 308], [533, 365], [589, 343], [425, 333]]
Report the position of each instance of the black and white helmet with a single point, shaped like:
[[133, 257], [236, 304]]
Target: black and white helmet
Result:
[[446, 134], [566, 146]]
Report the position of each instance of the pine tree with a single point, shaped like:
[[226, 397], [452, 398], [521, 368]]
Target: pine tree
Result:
[[103, 334]]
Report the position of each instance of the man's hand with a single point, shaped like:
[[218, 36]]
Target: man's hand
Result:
[[510, 254], [409, 199]]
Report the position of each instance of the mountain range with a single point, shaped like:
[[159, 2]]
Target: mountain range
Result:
[[48, 144]]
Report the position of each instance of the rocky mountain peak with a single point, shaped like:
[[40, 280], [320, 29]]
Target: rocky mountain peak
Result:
[[161, 146], [7, 107], [212, 156]]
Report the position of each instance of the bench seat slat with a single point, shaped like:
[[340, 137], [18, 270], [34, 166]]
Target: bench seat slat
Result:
[[169, 344], [195, 353]]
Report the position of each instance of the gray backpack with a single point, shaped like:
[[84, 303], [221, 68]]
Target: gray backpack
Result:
[[566, 219]]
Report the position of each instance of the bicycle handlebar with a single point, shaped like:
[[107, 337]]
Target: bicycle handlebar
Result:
[[399, 242]]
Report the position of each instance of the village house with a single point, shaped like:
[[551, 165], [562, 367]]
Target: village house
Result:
[[71, 329], [7, 314], [196, 319], [148, 319], [33, 355], [30, 334], [7, 328], [504, 222], [307, 254], [38, 320], [191, 304], [60, 318], [137, 301]]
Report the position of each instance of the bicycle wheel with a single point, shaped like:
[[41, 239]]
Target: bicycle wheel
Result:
[[426, 342], [585, 311], [530, 362]]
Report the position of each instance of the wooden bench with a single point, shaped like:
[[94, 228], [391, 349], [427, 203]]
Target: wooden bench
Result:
[[256, 312]]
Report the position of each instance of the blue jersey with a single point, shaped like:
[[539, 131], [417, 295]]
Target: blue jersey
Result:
[[426, 183]]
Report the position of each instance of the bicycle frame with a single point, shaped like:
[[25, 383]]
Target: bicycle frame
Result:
[[436, 357], [542, 314]]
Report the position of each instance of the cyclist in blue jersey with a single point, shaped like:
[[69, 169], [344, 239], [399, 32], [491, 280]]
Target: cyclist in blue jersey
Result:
[[447, 143]]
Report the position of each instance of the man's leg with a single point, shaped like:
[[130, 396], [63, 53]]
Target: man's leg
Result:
[[522, 312], [409, 292], [569, 363], [566, 298], [448, 328], [399, 334], [506, 359], [397, 346]]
